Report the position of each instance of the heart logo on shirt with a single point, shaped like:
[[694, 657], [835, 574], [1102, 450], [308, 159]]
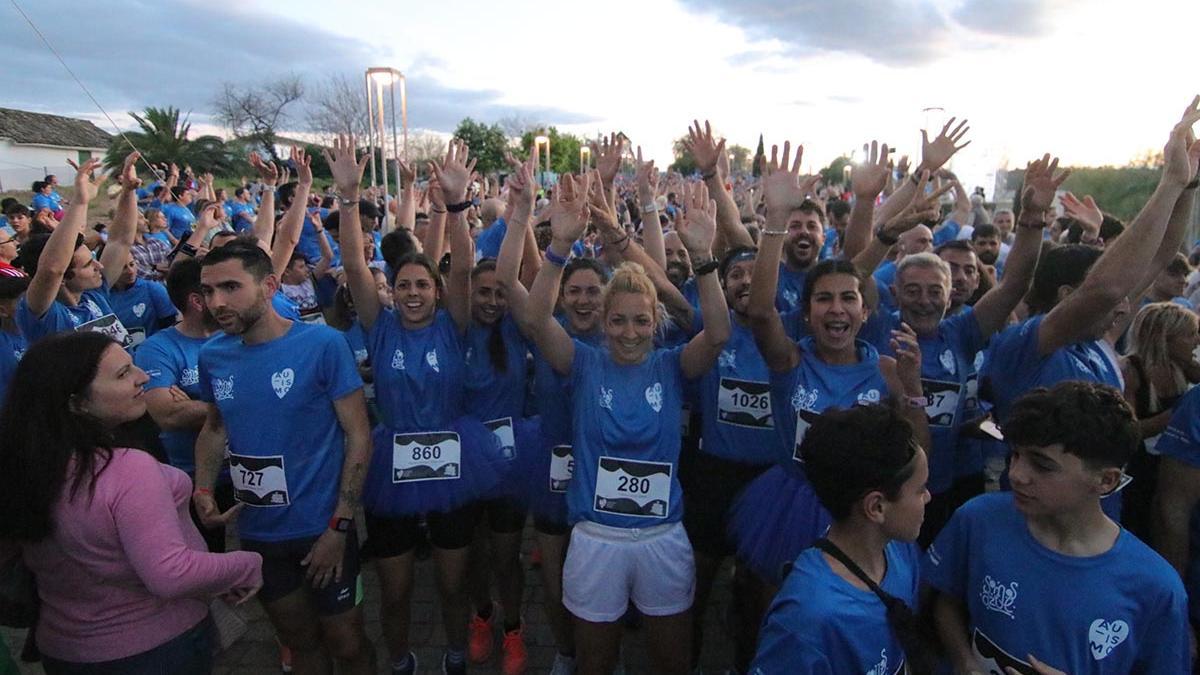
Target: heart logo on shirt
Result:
[[1104, 636], [139, 309], [654, 396], [282, 381], [948, 362]]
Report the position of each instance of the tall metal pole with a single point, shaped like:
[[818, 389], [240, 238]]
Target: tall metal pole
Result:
[[370, 128], [404, 111], [382, 156], [396, 151]]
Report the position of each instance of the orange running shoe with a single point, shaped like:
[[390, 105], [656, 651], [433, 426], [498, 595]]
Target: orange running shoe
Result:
[[514, 656], [480, 639]]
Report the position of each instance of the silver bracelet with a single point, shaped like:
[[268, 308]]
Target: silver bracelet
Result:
[[778, 233], [647, 208]]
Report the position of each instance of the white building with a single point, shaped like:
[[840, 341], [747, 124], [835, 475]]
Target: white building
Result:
[[33, 145]]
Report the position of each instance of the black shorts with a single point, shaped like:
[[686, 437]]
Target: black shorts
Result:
[[283, 574], [504, 515], [710, 485], [391, 537], [551, 528]]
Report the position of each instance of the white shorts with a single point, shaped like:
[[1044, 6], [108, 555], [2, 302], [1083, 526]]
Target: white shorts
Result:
[[607, 567]]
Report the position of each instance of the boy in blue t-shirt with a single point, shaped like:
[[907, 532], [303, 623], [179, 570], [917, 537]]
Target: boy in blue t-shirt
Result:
[[1041, 572]]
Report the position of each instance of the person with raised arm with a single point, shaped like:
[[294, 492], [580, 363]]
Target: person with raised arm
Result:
[[431, 459], [624, 499], [778, 515]]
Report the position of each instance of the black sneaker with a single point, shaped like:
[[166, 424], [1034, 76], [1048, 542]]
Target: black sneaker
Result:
[[447, 669], [412, 666]]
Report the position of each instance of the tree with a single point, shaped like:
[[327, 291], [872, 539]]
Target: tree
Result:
[[516, 125], [487, 144], [684, 162], [338, 106], [564, 149], [255, 112], [739, 158], [835, 173], [760, 158], [423, 148], [163, 139]]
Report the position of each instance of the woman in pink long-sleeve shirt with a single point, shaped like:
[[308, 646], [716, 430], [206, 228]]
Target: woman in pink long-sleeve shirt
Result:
[[123, 575]]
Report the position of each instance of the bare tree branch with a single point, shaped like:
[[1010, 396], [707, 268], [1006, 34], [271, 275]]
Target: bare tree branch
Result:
[[256, 112]]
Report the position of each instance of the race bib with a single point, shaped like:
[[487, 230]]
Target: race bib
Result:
[[631, 487], [971, 395], [744, 403], [137, 336], [804, 420], [994, 659], [502, 429], [111, 326], [259, 481], [436, 455], [941, 402], [562, 468]]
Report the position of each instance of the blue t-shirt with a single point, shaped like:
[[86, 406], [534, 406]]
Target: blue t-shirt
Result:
[[308, 246], [948, 232], [947, 363], [829, 248], [142, 307], [180, 219], [12, 348], [804, 392], [492, 394], [420, 375], [1181, 439], [241, 216], [487, 245], [790, 291], [735, 403], [1014, 366], [821, 623], [41, 201], [285, 306], [885, 274], [1123, 611], [552, 393], [626, 430], [93, 313], [286, 446], [171, 359]]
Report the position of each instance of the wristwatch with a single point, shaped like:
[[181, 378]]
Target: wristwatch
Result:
[[342, 525]]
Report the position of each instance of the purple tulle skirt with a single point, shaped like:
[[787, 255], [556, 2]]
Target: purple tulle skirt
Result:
[[775, 518]]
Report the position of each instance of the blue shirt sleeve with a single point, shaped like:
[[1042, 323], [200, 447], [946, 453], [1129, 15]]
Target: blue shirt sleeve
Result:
[[338, 369], [163, 308], [1181, 439], [945, 563], [159, 367]]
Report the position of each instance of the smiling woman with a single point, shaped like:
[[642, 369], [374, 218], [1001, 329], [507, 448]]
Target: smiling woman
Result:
[[90, 518]]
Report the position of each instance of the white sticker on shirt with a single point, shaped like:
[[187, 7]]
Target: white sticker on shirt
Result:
[[994, 659], [744, 403], [109, 325], [941, 402], [502, 429], [259, 481], [562, 468], [630, 487], [804, 420], [436, 455], [1104, 636]]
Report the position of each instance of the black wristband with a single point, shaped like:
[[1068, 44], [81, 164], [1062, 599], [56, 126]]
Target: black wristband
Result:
[[187, 249], [706, 268], [459, 207], [886, 239]]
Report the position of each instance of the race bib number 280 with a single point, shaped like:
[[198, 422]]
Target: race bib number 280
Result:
[[259, 481], [633, 488]]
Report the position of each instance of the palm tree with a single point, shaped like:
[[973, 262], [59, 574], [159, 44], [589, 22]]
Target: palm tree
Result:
[[163, 138]]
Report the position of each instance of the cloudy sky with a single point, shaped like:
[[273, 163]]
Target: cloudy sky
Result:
[[1095, 81]]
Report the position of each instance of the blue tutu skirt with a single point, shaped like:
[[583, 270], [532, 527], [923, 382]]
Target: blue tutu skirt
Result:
[[546, 492], [427, 472], [775, 518], [521, 459]]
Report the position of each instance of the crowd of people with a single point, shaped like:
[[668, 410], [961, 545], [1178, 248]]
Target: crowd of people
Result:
[[931, 435]]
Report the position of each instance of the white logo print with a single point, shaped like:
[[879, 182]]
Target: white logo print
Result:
[[139, 309], [728, 359], [282, 381], [431, 359], [654, 396], [189, 376], [790, 297], [223, 389], [1104, 636], [998, 597], [869, 396], [881, 667], [94, 309], [804, 399], [947, 359], [398, 360], [606, 398]]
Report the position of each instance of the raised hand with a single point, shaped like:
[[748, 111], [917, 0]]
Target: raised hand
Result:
[[1086, 211], [569, 208], [698, 227], [521, 195], [346, 168], [781, 185], [268, 173], [128, 177], [608, 156], [303, 164], [923, 207], [601, 207], [86, 184], [935, 153], [437, 198], [1182, 152], [646, 179], [1042, 180], [408, 175], [706, 150], [868, 179], [454, 171], [908, 357]]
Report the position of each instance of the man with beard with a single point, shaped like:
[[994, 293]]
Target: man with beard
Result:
[[801, 250], [964, 273], [286, 399], [679, 268], [990, 250], [170, 358]]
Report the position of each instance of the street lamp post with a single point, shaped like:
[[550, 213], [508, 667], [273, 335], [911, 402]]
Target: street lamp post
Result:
[[386, 77], [585, 155], [540, 141]]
